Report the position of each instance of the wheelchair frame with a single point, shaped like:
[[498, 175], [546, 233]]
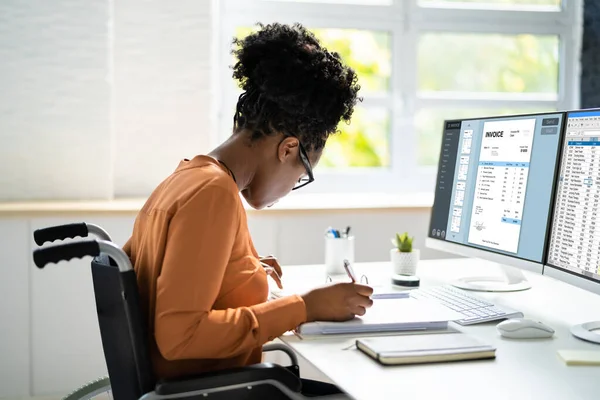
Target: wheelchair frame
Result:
[[250, 382]]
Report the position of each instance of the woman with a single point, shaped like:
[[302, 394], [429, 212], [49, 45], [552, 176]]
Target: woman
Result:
[[202, 284]]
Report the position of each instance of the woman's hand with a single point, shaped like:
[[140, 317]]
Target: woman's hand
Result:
[[337, 302], [273, 269]]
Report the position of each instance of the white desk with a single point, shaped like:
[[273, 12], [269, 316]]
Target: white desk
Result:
[[523, 369]]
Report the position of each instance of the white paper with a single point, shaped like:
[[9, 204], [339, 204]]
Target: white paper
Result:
[[389, 315]]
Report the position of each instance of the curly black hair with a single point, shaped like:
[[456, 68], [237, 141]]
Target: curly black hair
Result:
[[291, 84]]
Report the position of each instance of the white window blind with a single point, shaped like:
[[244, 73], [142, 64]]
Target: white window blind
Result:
[[101, 99]]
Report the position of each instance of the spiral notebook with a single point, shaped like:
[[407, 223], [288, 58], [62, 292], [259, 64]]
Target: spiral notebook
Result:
[[388, 315], [419, 349]]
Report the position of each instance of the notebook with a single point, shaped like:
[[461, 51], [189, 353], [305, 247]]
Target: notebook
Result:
[[387, 315], [419, 349]]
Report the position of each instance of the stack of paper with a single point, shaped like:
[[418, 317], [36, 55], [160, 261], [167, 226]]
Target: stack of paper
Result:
[[388, 315], [379, 292]]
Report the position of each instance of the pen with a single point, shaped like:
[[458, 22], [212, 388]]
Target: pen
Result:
[[347, 232], [330, 232], [335, 233], [349, 271]]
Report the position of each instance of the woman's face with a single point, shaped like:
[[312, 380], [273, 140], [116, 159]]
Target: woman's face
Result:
[[279, 172]]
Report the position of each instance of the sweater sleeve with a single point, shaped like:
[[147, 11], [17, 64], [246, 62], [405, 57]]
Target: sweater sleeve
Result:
[[199, 243]]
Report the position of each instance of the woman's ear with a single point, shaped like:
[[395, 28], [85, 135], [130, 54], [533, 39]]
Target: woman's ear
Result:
[[287, 148]]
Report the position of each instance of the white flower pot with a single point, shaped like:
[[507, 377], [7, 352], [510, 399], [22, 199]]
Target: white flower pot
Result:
[[405, 263]]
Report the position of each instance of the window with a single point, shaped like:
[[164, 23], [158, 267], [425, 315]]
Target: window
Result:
[[420, 62], [475, 62], [547, 5]]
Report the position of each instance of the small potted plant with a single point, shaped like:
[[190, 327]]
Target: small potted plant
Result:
[[404, 257]]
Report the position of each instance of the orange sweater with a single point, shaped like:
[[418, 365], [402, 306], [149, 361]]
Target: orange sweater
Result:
[[201, 284]]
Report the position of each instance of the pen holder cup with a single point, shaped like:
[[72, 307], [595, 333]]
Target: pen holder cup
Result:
[[336, 251]]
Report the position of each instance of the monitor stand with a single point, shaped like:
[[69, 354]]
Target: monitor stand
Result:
[[586, 331], [512, 280]]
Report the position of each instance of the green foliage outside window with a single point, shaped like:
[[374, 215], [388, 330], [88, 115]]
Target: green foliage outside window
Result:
[[487, 63]]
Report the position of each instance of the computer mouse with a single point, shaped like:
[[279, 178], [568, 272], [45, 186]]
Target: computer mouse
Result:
[[523, 328]]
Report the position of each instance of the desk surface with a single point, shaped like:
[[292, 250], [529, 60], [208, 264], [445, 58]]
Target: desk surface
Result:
[[523, 369]]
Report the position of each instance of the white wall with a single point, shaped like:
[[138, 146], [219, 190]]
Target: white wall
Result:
[[15, 275], [49, 340]]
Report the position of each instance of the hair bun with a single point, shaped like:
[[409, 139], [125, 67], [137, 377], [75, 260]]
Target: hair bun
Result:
[[291, 84], [278, 62]]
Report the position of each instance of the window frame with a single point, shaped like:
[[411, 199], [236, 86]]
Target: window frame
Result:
[[404, 21]]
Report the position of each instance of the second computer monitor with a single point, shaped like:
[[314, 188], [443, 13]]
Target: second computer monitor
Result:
[[494, 189], [574, 247]]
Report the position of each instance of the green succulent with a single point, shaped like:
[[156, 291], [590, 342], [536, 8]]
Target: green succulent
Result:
[[403, 242]]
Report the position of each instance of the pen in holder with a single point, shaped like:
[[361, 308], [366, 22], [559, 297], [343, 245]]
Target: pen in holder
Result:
[[338, 249]]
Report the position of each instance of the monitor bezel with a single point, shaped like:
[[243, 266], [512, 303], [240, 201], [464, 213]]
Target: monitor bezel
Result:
[[490, 254]]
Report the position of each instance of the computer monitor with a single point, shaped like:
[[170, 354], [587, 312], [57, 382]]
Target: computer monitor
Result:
[[494, 193], [574, 245]]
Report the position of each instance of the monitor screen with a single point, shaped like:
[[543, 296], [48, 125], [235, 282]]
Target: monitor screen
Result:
[[575, 234], [495, 183]]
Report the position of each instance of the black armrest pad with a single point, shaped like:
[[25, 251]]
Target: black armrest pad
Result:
[[249, 374]]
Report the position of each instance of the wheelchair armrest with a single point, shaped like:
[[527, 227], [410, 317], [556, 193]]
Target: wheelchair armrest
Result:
[[234, 376], [281, 347]]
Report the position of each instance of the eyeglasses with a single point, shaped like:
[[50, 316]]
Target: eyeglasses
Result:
[[305, 161]]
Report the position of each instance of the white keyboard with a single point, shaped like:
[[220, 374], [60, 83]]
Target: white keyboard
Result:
[[474, 309]]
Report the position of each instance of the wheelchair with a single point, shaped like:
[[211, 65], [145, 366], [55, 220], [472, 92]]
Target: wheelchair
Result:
[[124, 334]]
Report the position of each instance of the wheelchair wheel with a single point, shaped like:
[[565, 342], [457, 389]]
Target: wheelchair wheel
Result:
[[99, 387]]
